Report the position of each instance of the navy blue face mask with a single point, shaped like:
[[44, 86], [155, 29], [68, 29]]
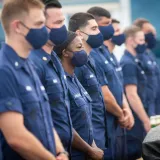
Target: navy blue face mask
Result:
[[94, 41], [79, 58], [150, 40], [58, 35], [141, 48], [107, 31], [118, 40], [37, 37]]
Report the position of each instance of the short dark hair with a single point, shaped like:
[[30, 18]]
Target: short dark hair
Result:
[[115, 21], [99, 12], [52, 4], [79, 20], [140, 22]]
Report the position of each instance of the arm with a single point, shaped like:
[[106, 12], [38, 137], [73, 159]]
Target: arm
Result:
[[20, 139], [111, 103], [137, 106], [128, 114], [59, 147], [79, 144]]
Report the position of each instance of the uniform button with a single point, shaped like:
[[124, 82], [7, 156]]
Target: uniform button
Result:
[[16, 64], [9, 104], [142, 72], [44, 58]]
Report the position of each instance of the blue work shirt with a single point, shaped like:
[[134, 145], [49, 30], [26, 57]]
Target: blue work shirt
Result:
[[81, 113], [112, 60], [116, 87], [21, 91], [152, 57], [152, 83], [54, 80], [134, 74], [88, 78]]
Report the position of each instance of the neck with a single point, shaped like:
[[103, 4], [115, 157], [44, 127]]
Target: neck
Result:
[[48, 47], [131, 50], [68, 67], [110, 46], [87, 47], [21, 49]]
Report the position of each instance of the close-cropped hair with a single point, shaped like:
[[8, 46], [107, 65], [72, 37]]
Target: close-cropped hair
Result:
[[131, 31], [16, 9]]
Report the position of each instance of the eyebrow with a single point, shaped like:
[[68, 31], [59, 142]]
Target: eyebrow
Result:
[[94, 27], [39, 22], [59, 20]]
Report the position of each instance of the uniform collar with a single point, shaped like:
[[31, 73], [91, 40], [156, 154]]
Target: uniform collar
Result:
[[69, 75], [13, 57], [129, 54], [134, 58]]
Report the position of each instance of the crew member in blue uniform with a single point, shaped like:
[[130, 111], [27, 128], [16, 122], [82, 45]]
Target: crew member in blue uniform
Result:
[[25, 119], [151, 68], [117, 40], [135, 88], [88, 77], [72, 55], [114, 82], [52, 75]]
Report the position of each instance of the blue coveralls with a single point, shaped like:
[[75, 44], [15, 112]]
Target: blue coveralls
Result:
[[54, 80], [87, 75], [105, 69], [152, 83], [133, 74], [21, 91], [121, 144], [81, 113]]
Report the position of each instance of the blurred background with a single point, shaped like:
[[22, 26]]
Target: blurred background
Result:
[[126, 11]]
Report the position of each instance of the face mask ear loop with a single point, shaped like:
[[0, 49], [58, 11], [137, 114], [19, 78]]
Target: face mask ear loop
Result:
[[25, 25], [84, 33]]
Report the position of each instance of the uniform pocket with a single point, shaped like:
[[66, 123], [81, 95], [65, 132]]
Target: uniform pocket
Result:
[[54, 90]]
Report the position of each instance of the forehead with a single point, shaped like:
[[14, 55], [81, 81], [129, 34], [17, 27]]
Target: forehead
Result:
[[116, 25], [148, 27], [77, 40], [104, 20], [139, 34], [92, 23], [55, 13], [36, 14]]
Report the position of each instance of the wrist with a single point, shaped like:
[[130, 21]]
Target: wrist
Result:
[[63, 152], [120, 115]]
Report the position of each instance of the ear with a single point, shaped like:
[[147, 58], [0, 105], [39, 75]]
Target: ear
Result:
[[16, 26], [79, 33], [64, 54], [129, 40]]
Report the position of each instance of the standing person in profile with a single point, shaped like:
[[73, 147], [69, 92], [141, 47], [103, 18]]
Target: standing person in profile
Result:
[[25, 117], [72, 55]]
